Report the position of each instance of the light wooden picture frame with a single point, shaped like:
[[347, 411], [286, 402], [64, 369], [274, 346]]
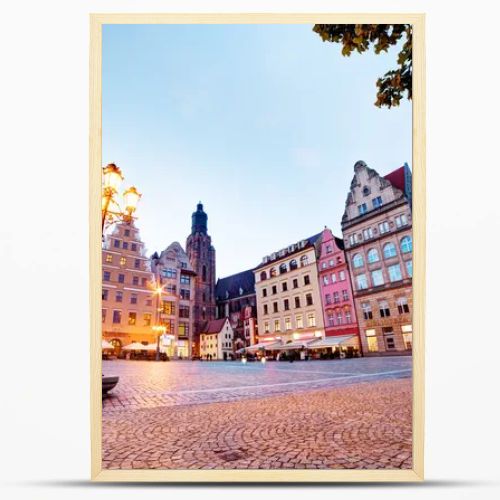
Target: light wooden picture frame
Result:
[[97, 21]]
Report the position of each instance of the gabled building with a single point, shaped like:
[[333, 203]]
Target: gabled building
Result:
[[235, 299], [377, 231], [174, 274], [289, 306], [339, 311], [127, 295], [216, 340]]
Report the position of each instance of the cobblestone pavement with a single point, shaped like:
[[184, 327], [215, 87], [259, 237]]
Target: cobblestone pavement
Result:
[[150, 384], [351, 414]]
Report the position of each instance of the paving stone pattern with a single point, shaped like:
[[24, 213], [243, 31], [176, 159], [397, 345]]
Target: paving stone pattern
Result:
[[348, 414]]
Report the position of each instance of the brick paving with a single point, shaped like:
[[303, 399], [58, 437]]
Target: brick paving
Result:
[[349, 414]]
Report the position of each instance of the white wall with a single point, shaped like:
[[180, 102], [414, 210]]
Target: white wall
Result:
[[43, 255]]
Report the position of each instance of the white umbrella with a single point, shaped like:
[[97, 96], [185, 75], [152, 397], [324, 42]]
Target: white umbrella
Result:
[[135, 346], [150, 347], [106, 345]]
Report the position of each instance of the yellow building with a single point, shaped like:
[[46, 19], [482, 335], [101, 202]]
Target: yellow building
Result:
[[289, 307], [128, 309]]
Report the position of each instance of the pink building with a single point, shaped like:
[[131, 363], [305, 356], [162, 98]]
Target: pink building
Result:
[[336, 291]]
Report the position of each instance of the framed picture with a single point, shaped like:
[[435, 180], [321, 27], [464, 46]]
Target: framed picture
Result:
[[257, 247]]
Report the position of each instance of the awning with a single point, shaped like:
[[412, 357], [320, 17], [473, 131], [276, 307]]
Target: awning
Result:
[[136, 346], [296, 345], [266, 346], [330, 341], [106, 345]]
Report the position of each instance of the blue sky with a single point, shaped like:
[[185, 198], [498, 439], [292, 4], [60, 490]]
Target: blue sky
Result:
[[262, 123]]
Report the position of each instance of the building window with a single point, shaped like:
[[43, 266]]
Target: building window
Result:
[[328, 298], [293, 264], [339, 318], [407, 331], [274, 289], [309, 299], [185, 294], [295, 283], [383, 306], [272, 272], [333, 278], [367, 310], [106, 276], [286, 305], [185, 279], [277, 326], [323, 265], [377, 277], [134, 247], [266, 327], [304, 260], [183, 330], [265, 309], [284, 287], [311, 320], [275, 307], [403, 307], [389, 250], [125, 245], [117, 317], [367, 233], [357, 260], [336, 298], [204, 273], [109, 258], [406, 245], [401, 220], [383, 227], [330, 262], [307, 280], [183, 311], [348, 316], [105, 293], [288, 323], [373, 255], [371, 339], [389, 338], [133, 298], [283, 269], [297, 302], [345, 295], [135, 280], [409, 268], [264, 292], [146, 317], [325, 280], [377, 202], [169, 273], [149, 302], [328, 249], [395, 273], [121, 278], [119, 296], [116, 243], [362, 209], [168, 308], [342, 276], [331, 320], [361, 282], [298, 321], [353, 239], [263, 276], [103, 315], [132, 318], [144, 281]]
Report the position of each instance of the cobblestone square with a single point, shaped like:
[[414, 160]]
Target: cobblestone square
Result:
[[339, 414]]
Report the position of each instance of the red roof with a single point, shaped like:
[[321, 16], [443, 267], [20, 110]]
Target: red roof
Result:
[[214, 326], [397, 178]]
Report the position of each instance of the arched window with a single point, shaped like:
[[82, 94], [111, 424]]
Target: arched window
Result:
[[263, 276], [204, 273], [357, 260], [406, 244], [373, 256], [293, 264], [304, 260], [283, 268], [389, 250], [272, 272]]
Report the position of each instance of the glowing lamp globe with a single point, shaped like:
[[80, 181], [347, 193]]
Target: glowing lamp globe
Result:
[[131, 197], [111, 177]]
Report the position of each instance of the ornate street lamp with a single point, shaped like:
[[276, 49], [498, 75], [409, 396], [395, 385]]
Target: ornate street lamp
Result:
[[111, 212]]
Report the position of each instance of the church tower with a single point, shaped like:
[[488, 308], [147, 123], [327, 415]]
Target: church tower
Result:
[[201, 255]]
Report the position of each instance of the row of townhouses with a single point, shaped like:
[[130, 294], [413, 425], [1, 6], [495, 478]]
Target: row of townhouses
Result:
[[321, 293]]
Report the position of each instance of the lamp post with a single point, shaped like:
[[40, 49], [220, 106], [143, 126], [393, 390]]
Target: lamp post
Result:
[[111, 212]]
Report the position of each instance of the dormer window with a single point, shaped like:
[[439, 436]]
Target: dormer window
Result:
[[377, 202], [362, 209]]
